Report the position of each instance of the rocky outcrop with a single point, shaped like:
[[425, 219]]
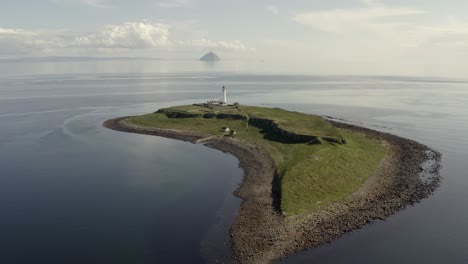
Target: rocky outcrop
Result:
[[182, 114], [300, 138], [178, 114], [231, 116]]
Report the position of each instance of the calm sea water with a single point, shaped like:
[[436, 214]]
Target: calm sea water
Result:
[[74, 192]]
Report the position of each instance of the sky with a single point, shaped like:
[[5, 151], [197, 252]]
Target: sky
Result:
[[410, 37]]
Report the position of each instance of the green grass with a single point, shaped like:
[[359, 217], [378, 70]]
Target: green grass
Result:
[[311, 176], [328, 173], [198, 124]]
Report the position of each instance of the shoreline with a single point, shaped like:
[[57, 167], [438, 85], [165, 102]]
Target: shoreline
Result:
[[261, 233]]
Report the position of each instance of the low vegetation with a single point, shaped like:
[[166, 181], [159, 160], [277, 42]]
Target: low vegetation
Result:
[[310, 176]]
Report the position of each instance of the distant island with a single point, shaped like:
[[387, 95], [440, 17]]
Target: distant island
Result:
[[307, 179], [210, 56]]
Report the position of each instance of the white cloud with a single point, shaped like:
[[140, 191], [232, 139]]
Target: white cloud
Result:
[[137, 35], [452, 34], [9, 31], [345, 20], [172, 3], [107, 3], [370, 2], [14, 41], [384, 26], [273, 9], [125, 38], [91, 3], [214, 45], [95, 3], [375, 38]]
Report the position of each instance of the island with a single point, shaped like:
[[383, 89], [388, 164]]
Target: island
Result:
[[210, 57], [307, 179]]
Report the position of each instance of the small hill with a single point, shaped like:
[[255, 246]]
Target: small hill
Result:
[[210, 56]]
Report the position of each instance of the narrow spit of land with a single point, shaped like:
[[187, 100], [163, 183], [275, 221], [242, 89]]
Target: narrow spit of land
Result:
[[307, 180]]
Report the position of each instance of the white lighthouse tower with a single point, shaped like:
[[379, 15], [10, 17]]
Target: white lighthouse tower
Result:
[[224, 99]]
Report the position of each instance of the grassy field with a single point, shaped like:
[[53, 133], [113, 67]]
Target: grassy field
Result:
[[194, 109], [311, 176], [198, 124]]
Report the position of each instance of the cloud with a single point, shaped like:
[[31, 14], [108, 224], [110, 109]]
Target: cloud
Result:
[[91, 3], [370, 2], [12, 32], [213, 45], [126, 37], [14, 41], [132, 35], [345, 20], [172, 3], [379, 31], [453, 34], [273, 9], [107, 3], [136, 35], [95, 3]]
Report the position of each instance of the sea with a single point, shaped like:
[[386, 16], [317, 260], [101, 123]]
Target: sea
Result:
[[72, 191]]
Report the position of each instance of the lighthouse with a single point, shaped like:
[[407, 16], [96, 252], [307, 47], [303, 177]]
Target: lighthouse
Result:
[[224, 99]]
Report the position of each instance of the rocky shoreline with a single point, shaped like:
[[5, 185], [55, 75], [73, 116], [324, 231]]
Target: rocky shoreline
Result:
[[261, 233]]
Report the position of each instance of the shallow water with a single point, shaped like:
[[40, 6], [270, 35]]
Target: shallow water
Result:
[[74, 192]]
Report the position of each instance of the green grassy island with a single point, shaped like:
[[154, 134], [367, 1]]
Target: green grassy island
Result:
[[312, 173], [307, 180]]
